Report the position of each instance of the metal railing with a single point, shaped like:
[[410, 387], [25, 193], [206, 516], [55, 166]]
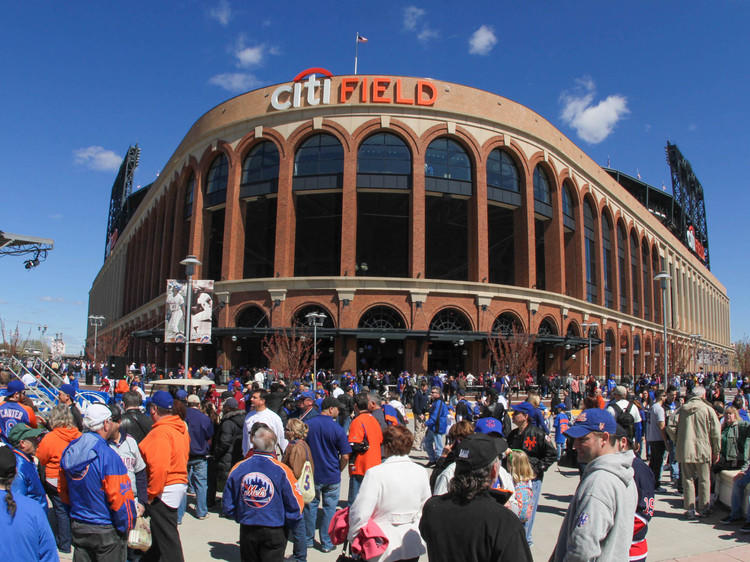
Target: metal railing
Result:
[[44, 397], [49, 399]]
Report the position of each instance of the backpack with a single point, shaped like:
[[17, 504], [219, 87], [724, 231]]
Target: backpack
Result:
[[525, 498], [624, 418]]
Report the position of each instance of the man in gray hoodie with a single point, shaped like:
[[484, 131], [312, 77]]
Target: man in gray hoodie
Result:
[[599, 521]]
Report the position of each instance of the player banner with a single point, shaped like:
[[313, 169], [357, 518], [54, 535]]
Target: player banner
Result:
[[201, 310]]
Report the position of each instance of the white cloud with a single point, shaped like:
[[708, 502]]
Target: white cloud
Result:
[[222, 12], [249, 56], [97, 158], [427, 34], [55, 216], [235, 81], [482, 41], [593, 123], [412, 15], [51, 299]]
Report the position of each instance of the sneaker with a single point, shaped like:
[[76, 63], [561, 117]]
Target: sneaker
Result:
[[660, 490], [691, 515], [728, 520], [745, 528]]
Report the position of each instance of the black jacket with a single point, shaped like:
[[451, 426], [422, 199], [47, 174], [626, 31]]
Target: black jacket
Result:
[[228, 441], [533, 441], [136, 424], [483, 529], [419, 404]]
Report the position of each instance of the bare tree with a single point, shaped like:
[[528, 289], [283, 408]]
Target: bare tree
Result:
[[289, 351], [678, 359], [115, 342], [742, 355], [512, 353], [13, 342]]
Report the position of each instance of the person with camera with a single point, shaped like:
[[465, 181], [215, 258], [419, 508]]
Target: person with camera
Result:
[[365, 439]]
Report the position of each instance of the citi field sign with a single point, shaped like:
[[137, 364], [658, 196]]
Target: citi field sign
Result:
[[318, 91]]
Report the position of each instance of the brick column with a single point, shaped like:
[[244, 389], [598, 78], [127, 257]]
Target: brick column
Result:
[[418, 217], [285, 220], [479, 266], [348, 256], [523, 232], [197, 238], [233, 250]]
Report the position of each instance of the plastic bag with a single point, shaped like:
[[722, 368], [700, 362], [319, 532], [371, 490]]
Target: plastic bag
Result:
[[139, 537]]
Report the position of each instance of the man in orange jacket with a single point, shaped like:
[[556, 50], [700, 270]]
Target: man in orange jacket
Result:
[[165, 449]]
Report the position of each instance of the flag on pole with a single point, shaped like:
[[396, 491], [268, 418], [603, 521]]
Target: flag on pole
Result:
[[361, 39], [358, 40], [638, 172]]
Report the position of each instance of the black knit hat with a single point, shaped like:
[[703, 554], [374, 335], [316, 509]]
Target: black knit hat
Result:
[[7, 463]]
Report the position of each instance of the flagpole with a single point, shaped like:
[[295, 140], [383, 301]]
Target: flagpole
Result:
[[356, 52]]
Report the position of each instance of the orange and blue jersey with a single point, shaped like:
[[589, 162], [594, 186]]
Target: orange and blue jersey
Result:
[[261, 490], [95, 483], [392, 415], [12, 413], [562, 423]]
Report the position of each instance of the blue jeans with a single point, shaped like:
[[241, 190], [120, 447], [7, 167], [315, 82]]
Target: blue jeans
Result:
[[674, 466], [355, 482], [61, 513], [197, 470], [560, 448], [299, 538], [738, 494], [433, 445], [536, 487], [321, 520]]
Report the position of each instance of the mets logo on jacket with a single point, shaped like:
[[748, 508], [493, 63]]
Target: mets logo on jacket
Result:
[[257, 489]]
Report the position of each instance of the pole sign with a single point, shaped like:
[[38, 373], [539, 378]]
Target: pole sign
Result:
[[380, 89]]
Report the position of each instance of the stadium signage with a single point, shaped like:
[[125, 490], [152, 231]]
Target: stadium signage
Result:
[[695, 244], [371, 89]]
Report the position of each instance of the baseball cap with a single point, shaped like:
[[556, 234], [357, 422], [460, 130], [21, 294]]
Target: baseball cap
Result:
[[231, 403], [307, 394], [15, 386], [330, 402], [7, 462], [524, 408], [560, 406], [489, 425], [181, 394], [23, 431], [590, 420], [68, 389], [477, 451], [193, 399], [96, 414], [162, 399]]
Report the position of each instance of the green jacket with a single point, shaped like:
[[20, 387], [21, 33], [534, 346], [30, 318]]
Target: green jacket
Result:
[[735, 445]]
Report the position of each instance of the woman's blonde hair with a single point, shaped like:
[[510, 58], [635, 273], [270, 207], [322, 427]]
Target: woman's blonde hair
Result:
[[297, 428], [534, 399], [60, 416], [519, 466]]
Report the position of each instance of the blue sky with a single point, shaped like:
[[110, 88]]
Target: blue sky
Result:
[[83, 81]]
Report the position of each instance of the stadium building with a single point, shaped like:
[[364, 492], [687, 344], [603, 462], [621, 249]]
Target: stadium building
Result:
[[416, 216]]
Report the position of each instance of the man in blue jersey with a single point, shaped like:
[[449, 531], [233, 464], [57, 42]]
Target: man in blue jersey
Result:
[[12, 411]]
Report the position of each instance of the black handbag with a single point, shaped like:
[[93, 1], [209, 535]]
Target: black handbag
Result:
[[359, 448], [344, 557]]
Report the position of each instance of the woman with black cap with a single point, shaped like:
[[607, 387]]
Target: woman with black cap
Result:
[[23, 524]]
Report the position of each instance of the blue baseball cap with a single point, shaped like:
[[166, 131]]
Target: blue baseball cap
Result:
[[68, 389], [307, 394], [181, 394], [590, 420], [15, 386], [489, 425], [163, 399], [525, 408]]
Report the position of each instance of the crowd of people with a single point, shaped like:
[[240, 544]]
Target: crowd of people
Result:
[[275, 452]]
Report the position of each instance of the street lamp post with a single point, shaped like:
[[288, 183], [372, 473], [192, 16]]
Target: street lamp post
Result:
[[315, 319], [189, 262], [589, 325], [663, 277], [96, 321]]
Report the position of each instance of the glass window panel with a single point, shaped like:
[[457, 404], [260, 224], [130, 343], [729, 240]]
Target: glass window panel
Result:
[[502, 171], [445, 158], [319, 155], [541, 186], [218, 175], [261, 164]]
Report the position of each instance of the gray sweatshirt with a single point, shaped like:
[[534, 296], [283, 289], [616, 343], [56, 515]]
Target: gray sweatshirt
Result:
[[599, 521]]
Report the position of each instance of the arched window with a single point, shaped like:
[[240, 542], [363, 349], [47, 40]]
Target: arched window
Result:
[[622, 267], [646, 281], [590, 248], [450, 320], [573, 331], [252, 317], [319, 163], [507, 324], [636, 355], [541, 186], [216, 181], [189, 188], [569, 214], [502, 173], [384, 162], [609, 349], [381, 318], [635, 275], [300, 317], [547, 328], [656, 286], [260, 170], [607, 260], [447, 167]]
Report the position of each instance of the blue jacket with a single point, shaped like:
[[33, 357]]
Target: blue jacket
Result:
[[201, 430], [27, 536], [95, 483], [27, 482], [12, 413], [438, 420], [261, 490]]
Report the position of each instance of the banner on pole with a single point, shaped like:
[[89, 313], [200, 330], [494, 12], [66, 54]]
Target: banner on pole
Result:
[[174, 321], [201, 310]]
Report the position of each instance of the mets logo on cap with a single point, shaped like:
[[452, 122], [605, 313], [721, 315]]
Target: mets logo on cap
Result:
[[257, 489]]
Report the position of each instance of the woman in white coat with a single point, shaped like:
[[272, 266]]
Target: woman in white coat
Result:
[[392, 495]]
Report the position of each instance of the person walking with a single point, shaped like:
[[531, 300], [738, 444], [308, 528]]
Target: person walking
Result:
[[698, 446], [330, 452], [365, 439], [201, 431], [542, 454], [418, 410], [94, 483], [49, 452], [599, 522], [656, 437], [437, 425], [23, 524], [165, 449], [261, 495]]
